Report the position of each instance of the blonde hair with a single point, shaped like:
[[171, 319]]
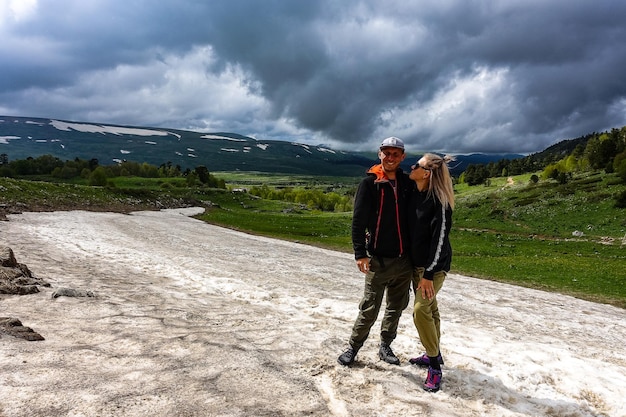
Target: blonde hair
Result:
[[440, 183]]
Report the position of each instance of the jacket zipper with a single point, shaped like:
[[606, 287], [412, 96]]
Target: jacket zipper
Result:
[[395, 193], [380, 213]]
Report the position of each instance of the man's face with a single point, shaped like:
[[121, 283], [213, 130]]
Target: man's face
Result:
[[391, 158]]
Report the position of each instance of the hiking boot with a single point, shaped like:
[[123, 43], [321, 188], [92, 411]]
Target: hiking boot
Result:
[[433, 380], [385, 353], [424, 360], [347, 357]]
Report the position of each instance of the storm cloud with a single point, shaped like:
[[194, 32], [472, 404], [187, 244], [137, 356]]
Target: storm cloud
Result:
[[447, 76]]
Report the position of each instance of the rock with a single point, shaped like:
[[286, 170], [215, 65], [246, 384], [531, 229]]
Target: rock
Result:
[[17, 278], [71, 292], [14, 327], [7, 257]]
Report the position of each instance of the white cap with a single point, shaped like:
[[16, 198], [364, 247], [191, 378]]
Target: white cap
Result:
[[392, 142]]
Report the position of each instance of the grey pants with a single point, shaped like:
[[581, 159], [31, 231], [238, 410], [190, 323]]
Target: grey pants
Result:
[[393, 275]]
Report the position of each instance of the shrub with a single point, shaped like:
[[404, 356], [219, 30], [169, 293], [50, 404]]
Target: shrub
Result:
[[621, 170], [609, 169], [620, 200], [98, 177]]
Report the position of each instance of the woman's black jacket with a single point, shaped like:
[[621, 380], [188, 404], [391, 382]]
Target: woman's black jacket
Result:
[[430, 224]]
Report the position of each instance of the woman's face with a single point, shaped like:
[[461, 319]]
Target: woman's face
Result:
[[418, 173]]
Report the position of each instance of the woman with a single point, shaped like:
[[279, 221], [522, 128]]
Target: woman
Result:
[[430, 219]]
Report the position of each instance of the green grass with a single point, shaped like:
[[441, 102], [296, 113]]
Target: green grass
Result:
[[327, 230], [279, 219], [585, 269], [22, 195], [148, 183], [546, 209], [236, 179]]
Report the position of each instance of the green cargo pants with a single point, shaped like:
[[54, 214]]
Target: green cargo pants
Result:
[[426, 313], [394, 275]]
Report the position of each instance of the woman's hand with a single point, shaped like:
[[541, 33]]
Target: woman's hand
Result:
[[427, 288]]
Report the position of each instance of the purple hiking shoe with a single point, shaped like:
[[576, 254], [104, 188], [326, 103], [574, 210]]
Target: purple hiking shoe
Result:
[[433, 380], [424, 361]]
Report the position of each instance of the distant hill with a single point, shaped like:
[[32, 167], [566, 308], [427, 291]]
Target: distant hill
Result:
[[560, 149], [23, 137]]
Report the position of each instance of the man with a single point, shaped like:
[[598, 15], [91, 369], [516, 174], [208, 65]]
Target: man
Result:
[[381, 249]]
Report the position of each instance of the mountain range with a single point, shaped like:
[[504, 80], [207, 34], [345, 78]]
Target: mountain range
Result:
[[24, 137]]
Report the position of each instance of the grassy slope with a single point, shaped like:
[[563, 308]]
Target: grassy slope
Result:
[[524, 234], [512, 232]]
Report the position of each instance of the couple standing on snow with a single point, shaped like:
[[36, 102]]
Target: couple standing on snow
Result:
[[400, 231]]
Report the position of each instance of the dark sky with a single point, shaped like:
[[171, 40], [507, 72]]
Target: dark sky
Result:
[[446, 75]]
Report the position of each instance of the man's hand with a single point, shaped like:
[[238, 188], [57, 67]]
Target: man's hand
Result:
[[363, 264]]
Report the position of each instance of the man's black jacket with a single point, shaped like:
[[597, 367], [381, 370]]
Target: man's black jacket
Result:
[[379, 221]]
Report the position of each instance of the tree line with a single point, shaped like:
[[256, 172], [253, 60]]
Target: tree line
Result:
[[100, 175], [315, 199], [597, 151]]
